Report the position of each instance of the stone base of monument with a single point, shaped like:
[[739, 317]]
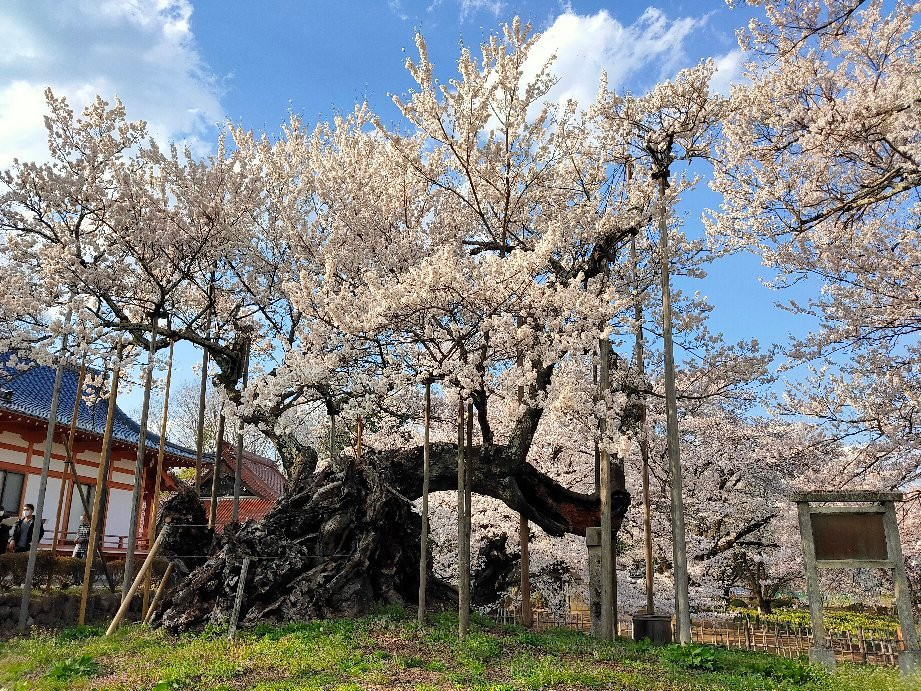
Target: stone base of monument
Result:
[[655, 627]]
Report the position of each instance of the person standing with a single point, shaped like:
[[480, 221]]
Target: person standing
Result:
[[83, 537], [4, 529], [23, 530]]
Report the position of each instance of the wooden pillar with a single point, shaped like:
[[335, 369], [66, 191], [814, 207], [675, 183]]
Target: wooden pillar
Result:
[[819, 653], [909, 656]]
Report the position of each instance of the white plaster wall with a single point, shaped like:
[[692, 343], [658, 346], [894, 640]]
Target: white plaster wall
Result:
[[119, 515]]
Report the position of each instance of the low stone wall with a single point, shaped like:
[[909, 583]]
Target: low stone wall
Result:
[[59, 610]]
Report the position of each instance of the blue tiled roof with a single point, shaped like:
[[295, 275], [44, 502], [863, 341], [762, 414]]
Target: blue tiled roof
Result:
[[28, 392]]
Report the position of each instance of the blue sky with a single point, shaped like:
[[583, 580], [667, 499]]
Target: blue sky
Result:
[[187, 67]]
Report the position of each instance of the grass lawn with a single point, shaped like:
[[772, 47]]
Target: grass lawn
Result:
[[387, 651]]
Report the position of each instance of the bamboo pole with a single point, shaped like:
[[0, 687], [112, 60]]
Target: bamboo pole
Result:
[[148, 615], [463, 547], [679, 548], [104, 459], [424, 536], [158, 475], [126, 600], [139, 463], [607, 600], [43, 482], [78, 397], [216, 472], [238, 470]]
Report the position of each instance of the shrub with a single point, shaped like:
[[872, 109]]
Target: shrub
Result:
[[702, 657], [13, 569], [83, 666]]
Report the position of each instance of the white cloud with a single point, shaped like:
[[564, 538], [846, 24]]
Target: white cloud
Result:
[[143, 51], [649, 49], [468, 7], [728, 71]]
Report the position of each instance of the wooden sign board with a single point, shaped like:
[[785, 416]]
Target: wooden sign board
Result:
[[849, 536]]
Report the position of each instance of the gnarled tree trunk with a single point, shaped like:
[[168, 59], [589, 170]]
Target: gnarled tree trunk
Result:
[[345, 539]]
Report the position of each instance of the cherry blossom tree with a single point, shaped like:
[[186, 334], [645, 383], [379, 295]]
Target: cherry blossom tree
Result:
[[819, 173]]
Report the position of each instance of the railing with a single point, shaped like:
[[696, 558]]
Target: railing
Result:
[[868, 647], [110, 543]]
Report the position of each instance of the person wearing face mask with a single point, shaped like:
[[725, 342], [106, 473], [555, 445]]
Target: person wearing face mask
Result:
[[22, 532]]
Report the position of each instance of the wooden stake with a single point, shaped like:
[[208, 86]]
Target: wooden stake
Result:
[[238, 470], [126, 600], [78, 397], [238, 600], [98, 508], [159, 593], [158, 475], [139, 463], [43, 482], [424, 536]]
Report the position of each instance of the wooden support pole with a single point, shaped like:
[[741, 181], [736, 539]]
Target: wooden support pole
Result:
[[238, 600], [158, 475], [71, 466], [98, 507], [524, 528], [238, 468], [640, 362], [43, 481], [200, 432], [78, 397], [139, 463], [159, 593], [424, 537], [679, 548], [607, 546], [463, 546], [216, 471], [202, 394], [126, 600]]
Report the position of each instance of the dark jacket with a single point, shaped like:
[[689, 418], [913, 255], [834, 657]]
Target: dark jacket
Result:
[[4, 532], [17, 531]]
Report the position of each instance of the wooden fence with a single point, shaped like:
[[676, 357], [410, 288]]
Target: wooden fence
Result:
[[744, 633]]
